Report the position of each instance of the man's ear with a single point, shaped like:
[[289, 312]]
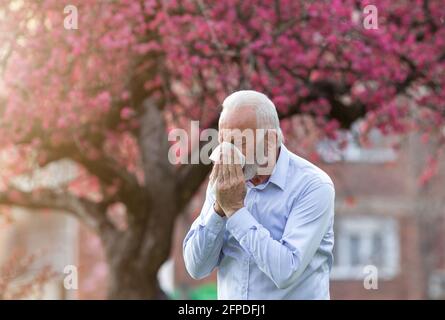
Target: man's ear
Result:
[[271, 142], [270, 147]]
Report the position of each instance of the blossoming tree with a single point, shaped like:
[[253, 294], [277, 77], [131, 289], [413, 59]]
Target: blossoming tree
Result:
[[105, 93]]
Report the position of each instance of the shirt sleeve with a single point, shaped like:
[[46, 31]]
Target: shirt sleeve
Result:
[[202, 244], [284, 260]]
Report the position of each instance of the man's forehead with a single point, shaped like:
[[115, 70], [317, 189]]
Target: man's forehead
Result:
[[238, 118], [229, 134]]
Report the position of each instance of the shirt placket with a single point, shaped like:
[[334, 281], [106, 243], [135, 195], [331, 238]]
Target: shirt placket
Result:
[[251, 198]]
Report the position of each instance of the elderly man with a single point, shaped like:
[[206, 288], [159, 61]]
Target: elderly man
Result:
[[269, 233]]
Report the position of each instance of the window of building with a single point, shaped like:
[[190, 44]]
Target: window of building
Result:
[[380, 149], [362, 241]]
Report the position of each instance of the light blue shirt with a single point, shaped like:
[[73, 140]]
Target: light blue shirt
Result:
[[278, 246]]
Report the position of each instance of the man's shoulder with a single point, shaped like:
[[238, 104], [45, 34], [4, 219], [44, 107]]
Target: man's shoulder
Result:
[[306, 173]]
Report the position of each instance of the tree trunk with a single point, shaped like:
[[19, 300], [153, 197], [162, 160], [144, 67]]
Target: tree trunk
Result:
[[132, 282], [135, 256]]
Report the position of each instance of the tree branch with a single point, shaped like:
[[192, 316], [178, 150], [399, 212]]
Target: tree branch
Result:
[[90, 213]]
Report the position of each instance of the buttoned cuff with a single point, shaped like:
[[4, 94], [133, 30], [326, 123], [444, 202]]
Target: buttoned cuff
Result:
[[240, 223], [214, 222]]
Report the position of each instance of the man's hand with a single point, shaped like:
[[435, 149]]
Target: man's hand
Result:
[[213, 178], [218, 209], [230, 187]]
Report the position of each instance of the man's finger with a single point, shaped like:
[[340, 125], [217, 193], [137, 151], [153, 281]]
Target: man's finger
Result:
[[226, 166], [214, 173], [232, 173], [226, 172], [239, 172], [219, 173]]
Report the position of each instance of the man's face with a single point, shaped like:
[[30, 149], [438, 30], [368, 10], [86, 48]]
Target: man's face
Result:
[[239, 127]]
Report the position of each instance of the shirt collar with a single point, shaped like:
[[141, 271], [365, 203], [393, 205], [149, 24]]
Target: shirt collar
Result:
[[279, 173]]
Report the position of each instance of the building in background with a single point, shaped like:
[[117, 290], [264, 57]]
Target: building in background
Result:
[[37, 248]]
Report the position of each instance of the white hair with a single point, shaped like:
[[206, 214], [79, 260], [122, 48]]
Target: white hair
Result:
[[266, 113]]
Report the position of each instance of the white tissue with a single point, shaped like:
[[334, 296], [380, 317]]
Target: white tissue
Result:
[[225, 147]]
